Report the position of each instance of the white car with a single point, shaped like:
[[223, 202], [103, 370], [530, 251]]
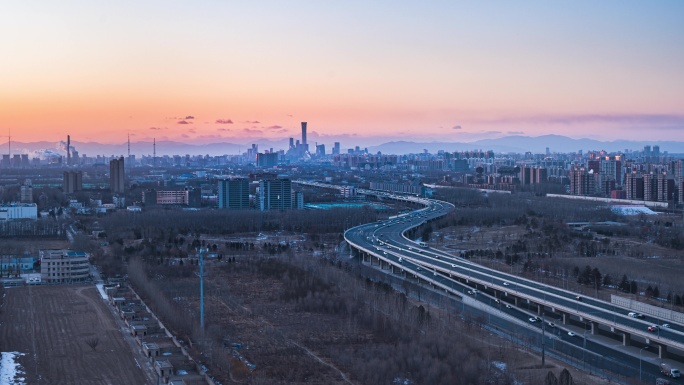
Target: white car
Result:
[[509, 307], [571, 334], [506, 283], [453, 265], [532, 319], [667, 326], [551, 324]]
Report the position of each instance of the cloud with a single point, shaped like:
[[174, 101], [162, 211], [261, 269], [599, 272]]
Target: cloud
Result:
[[274, 127], [290, 115], [158, 128], [184, 122], [456, 127], [251, 121], [252, 132], [224, 129], [189, 117], [223, 121], [515, 133], [192, 131], [185, 136]]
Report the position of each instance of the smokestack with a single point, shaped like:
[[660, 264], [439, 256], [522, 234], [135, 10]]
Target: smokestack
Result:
[[304, 133], [68, 150]]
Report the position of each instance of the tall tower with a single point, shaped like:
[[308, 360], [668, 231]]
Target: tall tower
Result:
[[154, 152], [304, 133], [68, 150]]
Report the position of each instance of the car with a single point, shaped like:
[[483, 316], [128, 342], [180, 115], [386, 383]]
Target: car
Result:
[[571, 334], [532, 319], [384, 252], [551, 324], [475, 291], [653, 328], [578, 298], [453, 265], [641, 316], [506, 283], [538, 318], [401, 260], [497, 301], [470, 292], [666, 326], [509, 307]]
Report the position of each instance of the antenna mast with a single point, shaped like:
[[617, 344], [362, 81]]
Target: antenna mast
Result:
[[154, 152]]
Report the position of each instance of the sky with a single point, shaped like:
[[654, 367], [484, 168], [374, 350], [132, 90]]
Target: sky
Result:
[[359, 72]]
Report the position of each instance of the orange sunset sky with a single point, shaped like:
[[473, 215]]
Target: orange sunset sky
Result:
[[213, 71]]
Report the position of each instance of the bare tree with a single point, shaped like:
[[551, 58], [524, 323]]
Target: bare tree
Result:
[[92, 342]]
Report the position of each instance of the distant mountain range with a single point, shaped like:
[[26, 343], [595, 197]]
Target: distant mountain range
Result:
[[522, 144], [507, 144]]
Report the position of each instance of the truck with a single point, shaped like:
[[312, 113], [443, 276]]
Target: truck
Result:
[[668, 370]]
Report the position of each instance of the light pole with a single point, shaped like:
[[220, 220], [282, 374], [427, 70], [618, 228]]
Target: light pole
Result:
[[640, 350]]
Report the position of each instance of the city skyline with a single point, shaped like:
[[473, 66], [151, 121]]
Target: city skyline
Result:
[[425, 72]]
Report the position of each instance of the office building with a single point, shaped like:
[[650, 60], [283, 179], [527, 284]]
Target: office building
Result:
[[269, 159], [275, 194], [304, 133], [117, 175], [336, 148], [233, 193]]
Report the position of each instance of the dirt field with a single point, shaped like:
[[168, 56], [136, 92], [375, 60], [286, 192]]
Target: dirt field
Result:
[[52, 324]]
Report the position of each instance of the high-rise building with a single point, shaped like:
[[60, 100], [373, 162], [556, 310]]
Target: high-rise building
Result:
[[304, 133], [26, 193], [582, 182], [634, 186], [336, 149], [298, 200], [73, 181], [269, 159], [117, 175], [233, 193], [275, 194]]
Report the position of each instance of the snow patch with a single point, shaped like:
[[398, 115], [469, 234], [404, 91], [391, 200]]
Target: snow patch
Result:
[[499, 365], [10, 369], [100, 288], [632, 210]]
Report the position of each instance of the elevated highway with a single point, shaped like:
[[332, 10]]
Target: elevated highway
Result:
[[386, 244]]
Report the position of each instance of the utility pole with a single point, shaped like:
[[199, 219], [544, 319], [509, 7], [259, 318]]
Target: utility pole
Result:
[[202, 250]]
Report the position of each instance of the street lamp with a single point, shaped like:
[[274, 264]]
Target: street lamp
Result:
[[645, 347]]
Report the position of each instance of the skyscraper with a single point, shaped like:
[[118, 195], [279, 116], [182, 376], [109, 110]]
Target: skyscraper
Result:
[[233, 193], [116, 175], [304, 133]]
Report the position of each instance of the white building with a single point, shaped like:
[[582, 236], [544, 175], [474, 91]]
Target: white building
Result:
[[18, 211]]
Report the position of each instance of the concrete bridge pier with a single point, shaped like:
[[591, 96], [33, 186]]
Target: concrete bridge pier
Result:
[[662, 351], [626, 339]]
